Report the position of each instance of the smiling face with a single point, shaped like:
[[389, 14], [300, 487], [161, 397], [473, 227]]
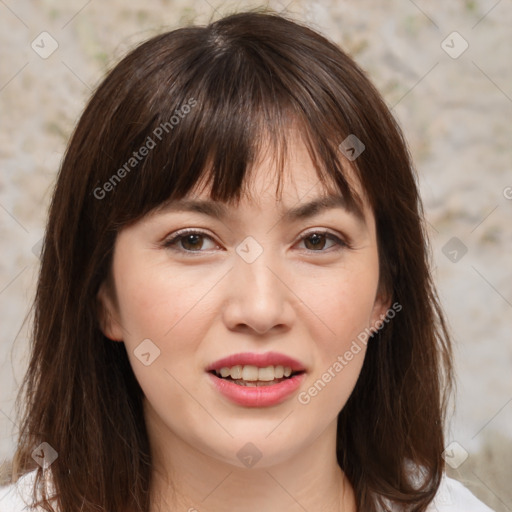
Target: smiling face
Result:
[[268, 276]]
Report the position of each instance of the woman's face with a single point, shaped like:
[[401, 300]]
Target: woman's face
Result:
[[268, 276]]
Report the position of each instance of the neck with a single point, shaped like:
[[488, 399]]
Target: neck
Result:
[[185, 478]]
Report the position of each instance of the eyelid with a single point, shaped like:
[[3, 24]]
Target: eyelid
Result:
[[324, 231], [342, 241], [175, 237]]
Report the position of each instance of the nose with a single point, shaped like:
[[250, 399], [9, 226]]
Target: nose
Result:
[[259, 299]]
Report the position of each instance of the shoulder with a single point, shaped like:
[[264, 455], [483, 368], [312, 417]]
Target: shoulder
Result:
[[452, 496], [18, 496]]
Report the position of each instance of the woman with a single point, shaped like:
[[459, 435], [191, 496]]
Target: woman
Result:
[[235, 307]]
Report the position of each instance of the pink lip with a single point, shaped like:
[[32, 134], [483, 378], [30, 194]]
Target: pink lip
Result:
[[259, 360], [257, 396]]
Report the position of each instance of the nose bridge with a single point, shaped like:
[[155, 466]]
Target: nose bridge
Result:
[[258, 298], [259, 275]]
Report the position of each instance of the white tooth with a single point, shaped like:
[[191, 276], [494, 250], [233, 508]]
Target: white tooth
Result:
[[266, 373], [236, 372], [250, 372], [278, 372], [224, 372]]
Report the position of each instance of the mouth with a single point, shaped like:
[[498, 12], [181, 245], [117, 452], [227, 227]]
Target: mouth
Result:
[[252, 376], [257, 380]]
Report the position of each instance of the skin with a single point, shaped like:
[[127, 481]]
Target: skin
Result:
[[304, 300]]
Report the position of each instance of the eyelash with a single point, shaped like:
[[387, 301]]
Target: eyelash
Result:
[[182, 234]]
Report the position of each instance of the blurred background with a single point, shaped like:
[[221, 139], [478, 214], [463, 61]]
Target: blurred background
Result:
[[444, 70]]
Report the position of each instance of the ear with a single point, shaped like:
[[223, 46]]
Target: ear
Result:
[[108, 315], [381, 305]]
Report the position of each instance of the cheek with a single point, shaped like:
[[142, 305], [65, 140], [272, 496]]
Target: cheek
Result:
[[343, 306], [344, 303], [163, 307], [333, 379], [171, 309], [155, 301]]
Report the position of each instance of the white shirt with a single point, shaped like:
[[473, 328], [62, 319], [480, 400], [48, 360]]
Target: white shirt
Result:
[[451, 496]]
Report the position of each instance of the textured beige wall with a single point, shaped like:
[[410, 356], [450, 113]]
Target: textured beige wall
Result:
[[455, 111]]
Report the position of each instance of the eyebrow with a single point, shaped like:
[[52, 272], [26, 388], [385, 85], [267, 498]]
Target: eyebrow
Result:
[[219, 210]]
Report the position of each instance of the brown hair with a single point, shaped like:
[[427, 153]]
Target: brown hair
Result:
[[201, 100]]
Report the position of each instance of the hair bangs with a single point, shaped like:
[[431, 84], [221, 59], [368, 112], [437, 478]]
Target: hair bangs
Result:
[[210, 124]]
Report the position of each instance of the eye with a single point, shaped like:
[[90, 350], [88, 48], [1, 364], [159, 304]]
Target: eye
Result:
[[189, 241], [315, 241]]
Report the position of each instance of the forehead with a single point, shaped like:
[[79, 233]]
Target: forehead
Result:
[[294, 189], [285, 175]]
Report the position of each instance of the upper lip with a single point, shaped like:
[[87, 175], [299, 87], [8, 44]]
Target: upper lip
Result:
[[259, 360]]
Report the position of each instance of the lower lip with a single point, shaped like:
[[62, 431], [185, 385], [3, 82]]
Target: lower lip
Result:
[[258, 396]]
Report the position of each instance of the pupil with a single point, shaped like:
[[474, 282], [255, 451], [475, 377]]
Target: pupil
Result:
[[316, 238], [192, 240]]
